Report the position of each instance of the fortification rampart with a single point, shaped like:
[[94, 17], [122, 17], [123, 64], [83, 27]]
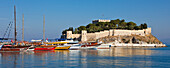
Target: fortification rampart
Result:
[[84, 36]]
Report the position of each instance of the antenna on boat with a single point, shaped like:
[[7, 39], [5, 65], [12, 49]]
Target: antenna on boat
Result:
[[44, 28], [22, 27], [15, 32]]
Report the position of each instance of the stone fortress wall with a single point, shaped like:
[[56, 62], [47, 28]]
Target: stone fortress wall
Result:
[[84, 36]]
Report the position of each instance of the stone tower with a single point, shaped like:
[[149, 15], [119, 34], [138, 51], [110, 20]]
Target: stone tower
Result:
[[147, 31], [69, 34], [111, 32], [83, 35]]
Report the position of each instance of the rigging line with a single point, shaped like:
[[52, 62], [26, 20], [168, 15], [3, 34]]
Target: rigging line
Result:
[[10, 30], [7, 30]]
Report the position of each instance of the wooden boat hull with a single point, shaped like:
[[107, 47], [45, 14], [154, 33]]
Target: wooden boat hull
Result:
[[12, 49], [44, 49], [62, 48]]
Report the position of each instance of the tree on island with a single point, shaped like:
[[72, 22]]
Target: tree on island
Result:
[[131, 25], [81, 28], [145, 26]]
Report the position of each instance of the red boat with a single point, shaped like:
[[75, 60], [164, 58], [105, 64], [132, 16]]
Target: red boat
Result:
[[44, 48]]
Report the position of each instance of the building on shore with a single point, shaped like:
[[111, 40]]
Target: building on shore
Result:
[[100, 20]]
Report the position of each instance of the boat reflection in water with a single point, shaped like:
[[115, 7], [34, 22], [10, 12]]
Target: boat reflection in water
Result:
[[115, 57]]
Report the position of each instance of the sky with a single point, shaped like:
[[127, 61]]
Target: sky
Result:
[[62, 14]]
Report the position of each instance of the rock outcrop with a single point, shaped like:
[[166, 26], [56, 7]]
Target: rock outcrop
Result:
[[131, 39]]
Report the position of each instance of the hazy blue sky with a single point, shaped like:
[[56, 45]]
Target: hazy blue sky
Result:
[[61, 14]]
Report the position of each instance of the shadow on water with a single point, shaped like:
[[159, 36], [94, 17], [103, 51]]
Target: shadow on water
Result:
[[115, 57]]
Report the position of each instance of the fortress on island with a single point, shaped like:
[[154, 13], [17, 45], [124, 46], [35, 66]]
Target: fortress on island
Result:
[[85, 36]]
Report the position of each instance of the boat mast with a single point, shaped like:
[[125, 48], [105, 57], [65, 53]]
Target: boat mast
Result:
[[22, 27], [15, 32], [44, 28]]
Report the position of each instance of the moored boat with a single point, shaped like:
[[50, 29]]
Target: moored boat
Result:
[[92, 47], [44, 48], [90, 44], [75, 47], [62, 47], [48, 46], [56, 42], [31, 48], [12, 49], [104, 46]]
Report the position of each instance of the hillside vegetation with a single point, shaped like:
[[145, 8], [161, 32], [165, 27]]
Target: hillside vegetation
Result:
[[100, 26]]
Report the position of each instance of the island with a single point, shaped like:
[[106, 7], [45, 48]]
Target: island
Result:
[[115, 32]]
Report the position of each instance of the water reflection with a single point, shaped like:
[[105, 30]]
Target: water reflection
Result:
[[124, 52], [115, 57]]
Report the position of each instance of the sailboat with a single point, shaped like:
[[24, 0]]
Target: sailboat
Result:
[[14, 47], [44, 46], [51, 45]]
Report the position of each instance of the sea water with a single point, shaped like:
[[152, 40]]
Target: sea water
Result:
[[104, 58]]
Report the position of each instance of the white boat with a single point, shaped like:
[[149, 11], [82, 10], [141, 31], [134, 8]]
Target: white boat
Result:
[[67, 40], [91, 47], [68, 44], [75, 47], [104, 46], [31, 48]]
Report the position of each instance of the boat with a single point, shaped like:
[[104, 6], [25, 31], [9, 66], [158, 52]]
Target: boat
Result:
[[104, 46], [67, 40], [13, 47], [48, 45], [90, 44], [44, 48], [56, 42], [62, 47], [31, 48], [92, 47], [10, 48], [75, 47]]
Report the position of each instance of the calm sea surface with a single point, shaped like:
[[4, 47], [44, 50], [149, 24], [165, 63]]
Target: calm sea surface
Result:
[[115, 57]]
